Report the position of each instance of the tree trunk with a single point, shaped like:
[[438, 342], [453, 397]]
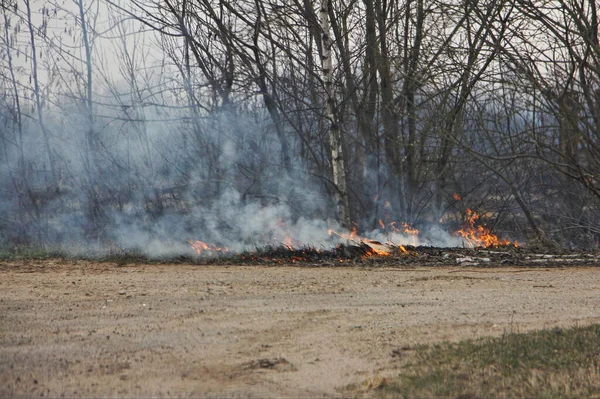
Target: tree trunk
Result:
[[37, 95], [335, 136]]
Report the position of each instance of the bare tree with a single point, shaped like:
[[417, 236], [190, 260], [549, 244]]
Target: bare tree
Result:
[[335, 136], [38, 95]]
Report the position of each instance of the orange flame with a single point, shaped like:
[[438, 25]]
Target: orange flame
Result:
[[412, 232], [457, 197], [200, 247], [474, 233], [374, 248], [353, 235], [478, 236], [287, 242]]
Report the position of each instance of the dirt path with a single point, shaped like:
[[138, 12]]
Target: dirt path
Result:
[[103, 330]]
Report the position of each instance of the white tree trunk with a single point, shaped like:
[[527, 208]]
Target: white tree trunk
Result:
[[335, 137]]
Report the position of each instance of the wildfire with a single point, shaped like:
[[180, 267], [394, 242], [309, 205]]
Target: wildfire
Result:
[[414, 233], [406, 229], [374, 248], [474, 233], [200, 247], [479, 235], [410, 230], [287, 242]]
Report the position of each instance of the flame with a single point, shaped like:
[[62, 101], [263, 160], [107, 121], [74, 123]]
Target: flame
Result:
[[479, 235], [374, 248], [410, 230], [352, 236], [287, 242], [200, 247], [474, 233], [393, 228], [414, 233], [457, 197], [406, 229]]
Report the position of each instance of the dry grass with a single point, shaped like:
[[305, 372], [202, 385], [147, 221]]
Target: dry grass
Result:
[[553, 363]]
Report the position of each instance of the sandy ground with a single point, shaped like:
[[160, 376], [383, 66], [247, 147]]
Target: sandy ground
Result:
[[83, 329]]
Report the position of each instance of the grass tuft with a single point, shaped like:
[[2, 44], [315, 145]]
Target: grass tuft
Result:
[[31, 252], [556, 363]]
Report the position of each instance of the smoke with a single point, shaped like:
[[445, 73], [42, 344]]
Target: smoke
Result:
[[241, 225], [431, 235], [152, 188], [230, 222]]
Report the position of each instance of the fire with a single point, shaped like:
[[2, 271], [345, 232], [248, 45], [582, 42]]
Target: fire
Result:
[[200, 247], [406, 229], [287, 242], [474, 233], [479, 235], [375, 248], [414, 233], [352, 236], [456, 197], [410, 230]]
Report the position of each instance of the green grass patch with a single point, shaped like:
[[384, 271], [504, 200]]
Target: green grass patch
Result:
[[556, 363]]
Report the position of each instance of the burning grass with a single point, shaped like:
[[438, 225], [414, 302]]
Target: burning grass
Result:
[[398, 242], [388, 240], [358, 253], [391, 244], [477, 234], [557, 363]]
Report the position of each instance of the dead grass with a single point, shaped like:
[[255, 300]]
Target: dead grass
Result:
[[14, 253], [557, 363]]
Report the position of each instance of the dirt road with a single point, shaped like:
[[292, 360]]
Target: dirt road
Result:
[[102, 330]]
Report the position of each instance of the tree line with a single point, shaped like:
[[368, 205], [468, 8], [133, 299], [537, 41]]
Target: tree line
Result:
[[153, 112]]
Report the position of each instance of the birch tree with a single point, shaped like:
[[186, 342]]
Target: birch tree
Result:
[[335, 135]]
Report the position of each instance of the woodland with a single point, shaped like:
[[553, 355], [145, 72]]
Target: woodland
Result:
[[140, 124]]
